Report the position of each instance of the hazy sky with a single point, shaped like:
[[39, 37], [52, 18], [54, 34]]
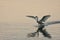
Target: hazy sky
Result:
[[16, 10]]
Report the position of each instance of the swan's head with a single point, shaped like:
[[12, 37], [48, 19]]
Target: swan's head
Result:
[[36, 18]]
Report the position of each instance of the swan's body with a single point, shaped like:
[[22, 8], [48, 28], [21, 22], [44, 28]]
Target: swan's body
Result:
[[42, 24]]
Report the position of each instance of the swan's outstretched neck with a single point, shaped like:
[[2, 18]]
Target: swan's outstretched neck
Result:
[[36, 18]]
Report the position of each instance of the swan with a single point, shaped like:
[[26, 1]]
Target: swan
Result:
[[42, 23]]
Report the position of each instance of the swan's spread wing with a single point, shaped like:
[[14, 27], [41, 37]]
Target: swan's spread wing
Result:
[[31, 16], [53, 22], [44, 18]]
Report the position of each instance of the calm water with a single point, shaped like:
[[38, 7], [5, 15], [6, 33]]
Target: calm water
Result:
[[19, 32]]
